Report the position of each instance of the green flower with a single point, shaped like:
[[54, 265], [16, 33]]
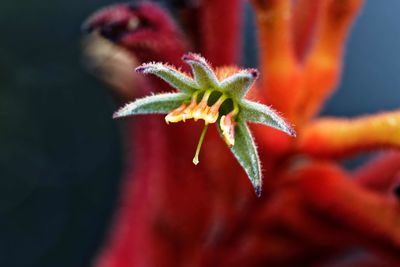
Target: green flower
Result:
[[215, 97]]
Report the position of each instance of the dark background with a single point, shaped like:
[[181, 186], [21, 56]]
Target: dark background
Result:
[[60, 152]]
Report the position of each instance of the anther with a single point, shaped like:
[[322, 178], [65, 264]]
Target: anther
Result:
[[202, 108], [188, 112], [176, 114], [213, 113], [227, 125]]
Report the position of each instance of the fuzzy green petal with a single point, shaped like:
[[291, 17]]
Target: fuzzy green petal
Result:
[[245, 151], [239, 84], [160, 103], [202, 71], [172, 76], [259, 113]]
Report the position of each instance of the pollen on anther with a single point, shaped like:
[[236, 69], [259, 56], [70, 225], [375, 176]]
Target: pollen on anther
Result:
[[176, 115]]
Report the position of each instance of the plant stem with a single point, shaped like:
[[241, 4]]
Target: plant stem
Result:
[[196, 156]]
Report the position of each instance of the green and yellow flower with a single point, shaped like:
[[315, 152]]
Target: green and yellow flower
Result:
[[215, 97]]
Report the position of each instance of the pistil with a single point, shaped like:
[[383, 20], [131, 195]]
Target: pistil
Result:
[[199, 144]]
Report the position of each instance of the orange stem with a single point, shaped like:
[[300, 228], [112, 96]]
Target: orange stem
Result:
[[323, 64], [332, 137], [279, 67]]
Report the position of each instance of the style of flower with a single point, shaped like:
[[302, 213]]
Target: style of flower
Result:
[[215, 97]]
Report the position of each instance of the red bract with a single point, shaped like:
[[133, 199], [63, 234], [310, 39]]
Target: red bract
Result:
[[312, 212]]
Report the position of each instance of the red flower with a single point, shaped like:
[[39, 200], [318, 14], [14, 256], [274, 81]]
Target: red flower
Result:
[[312, 212]]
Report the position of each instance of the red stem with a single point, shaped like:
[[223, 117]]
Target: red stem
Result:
[[221, 38]]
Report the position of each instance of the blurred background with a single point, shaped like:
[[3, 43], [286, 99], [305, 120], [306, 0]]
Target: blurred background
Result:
[[60, 151]]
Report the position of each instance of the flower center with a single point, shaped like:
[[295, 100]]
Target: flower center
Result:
[[207, 105]]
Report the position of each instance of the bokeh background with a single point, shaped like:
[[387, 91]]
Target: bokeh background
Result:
[[60, 151]]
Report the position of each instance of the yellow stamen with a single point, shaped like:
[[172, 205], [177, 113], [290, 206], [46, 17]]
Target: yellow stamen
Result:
[[201, 109], [176, 115], [227, 125], [188, 112], [213, 113], [206, 113]]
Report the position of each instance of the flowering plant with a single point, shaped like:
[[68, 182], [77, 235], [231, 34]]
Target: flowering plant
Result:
[[312, 212], [212, 96]]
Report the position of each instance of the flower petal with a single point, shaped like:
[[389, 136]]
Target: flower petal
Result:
[[246, 153], [160, 103], [259, 113], [202, 71], [239, 83], [172, 76]]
